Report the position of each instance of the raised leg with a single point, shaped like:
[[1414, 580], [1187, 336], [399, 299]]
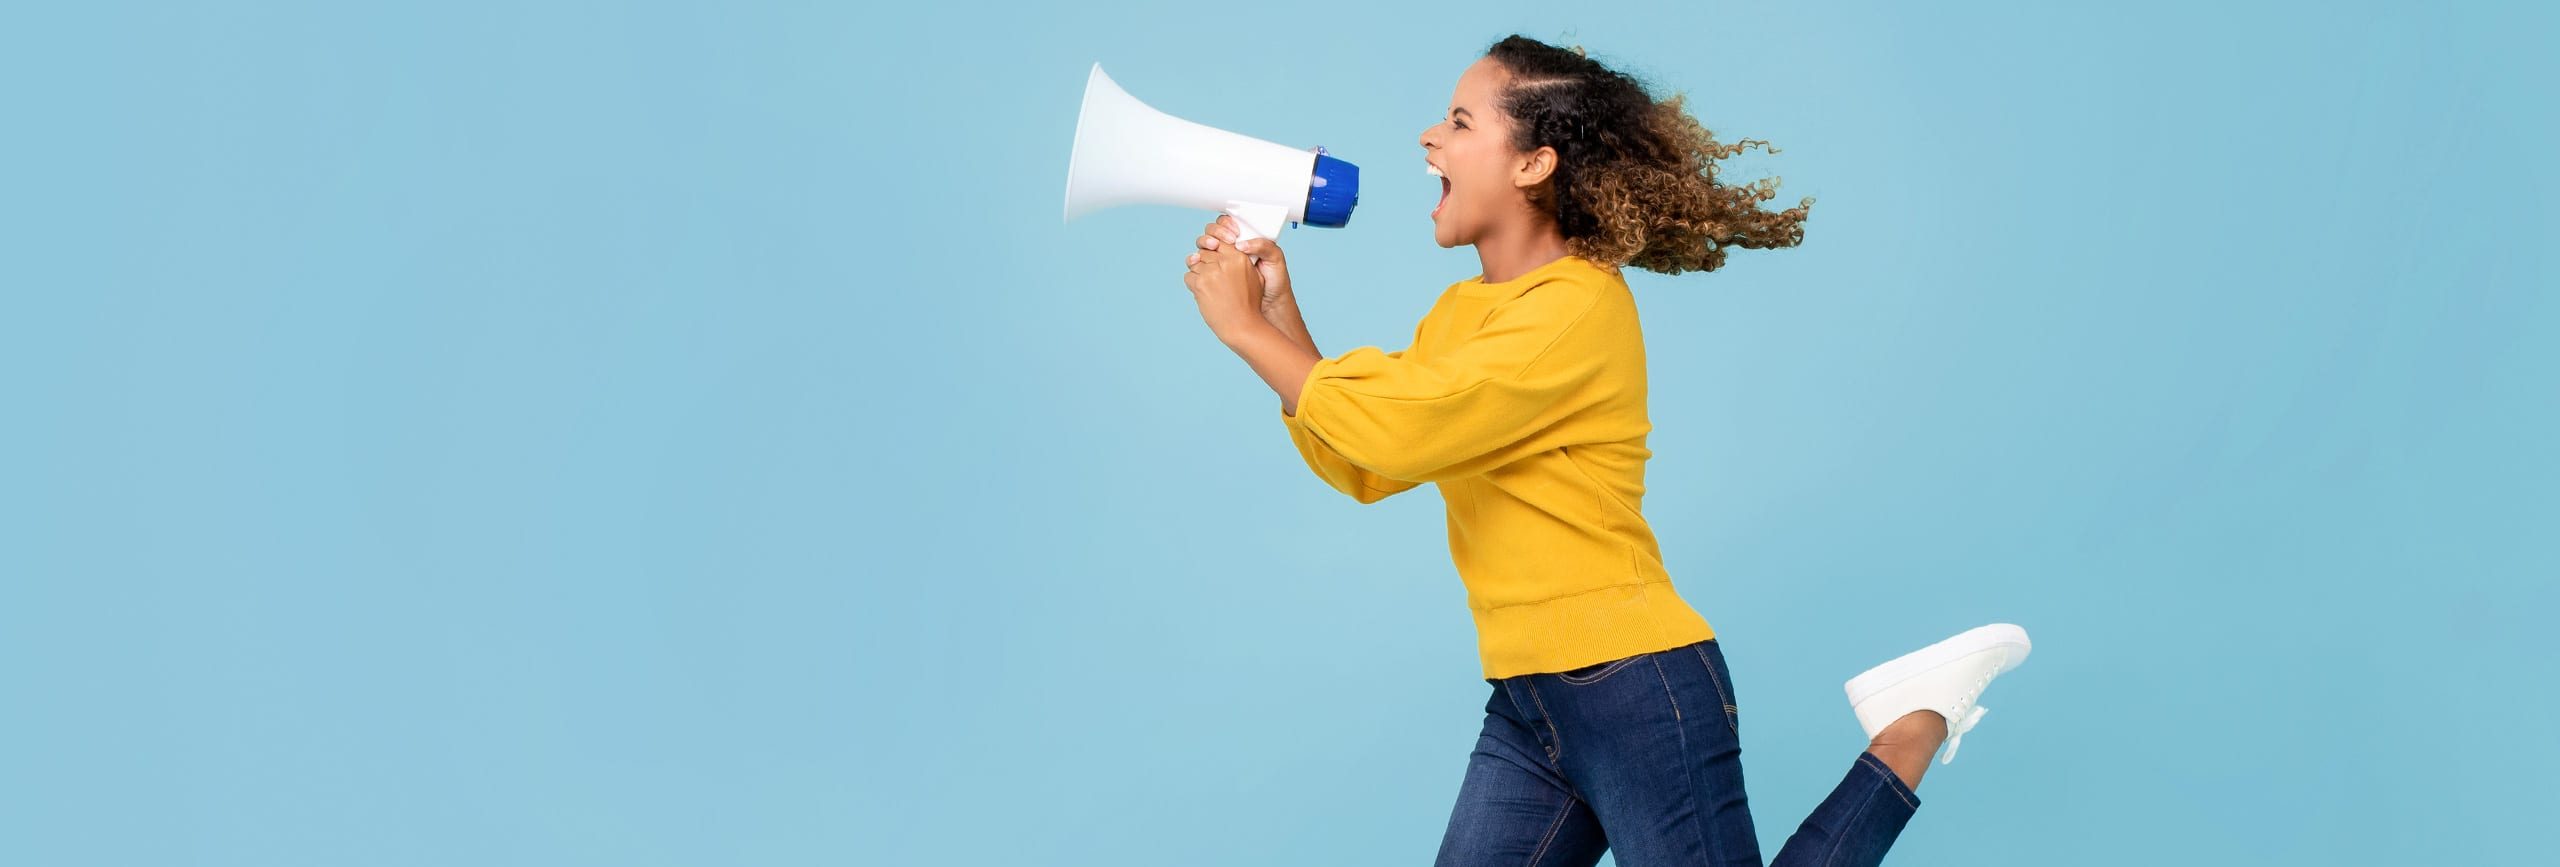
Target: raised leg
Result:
[[1908, 743]]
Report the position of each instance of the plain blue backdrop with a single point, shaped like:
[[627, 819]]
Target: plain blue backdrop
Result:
[[593, 433]]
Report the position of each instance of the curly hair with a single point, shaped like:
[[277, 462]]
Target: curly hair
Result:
[[1635, 179]]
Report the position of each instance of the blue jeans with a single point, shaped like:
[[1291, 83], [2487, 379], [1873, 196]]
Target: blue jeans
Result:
[[1642, 757]]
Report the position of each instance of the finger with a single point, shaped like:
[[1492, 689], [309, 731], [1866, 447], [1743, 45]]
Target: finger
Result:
[[1206, 242]]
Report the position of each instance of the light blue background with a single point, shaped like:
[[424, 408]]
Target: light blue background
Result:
[[560, 433]]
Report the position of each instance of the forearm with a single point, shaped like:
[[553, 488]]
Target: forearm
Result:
[[1281, 361], [1283, 315]]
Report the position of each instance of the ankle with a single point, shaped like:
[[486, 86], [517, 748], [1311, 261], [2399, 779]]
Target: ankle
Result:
[[1915, 727], [1907, 744]]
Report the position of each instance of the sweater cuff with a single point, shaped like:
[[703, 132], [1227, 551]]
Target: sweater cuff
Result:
[[1299, 419]]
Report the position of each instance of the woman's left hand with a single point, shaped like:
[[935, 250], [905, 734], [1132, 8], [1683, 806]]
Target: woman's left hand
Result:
[[1228, 289]]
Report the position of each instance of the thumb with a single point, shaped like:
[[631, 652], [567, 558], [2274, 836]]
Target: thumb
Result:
[[1259, 247]]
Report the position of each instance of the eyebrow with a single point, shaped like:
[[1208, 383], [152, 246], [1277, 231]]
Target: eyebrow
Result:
[[1459, 111]]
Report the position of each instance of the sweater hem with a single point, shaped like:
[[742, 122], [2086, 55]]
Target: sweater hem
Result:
[[1587, 628]]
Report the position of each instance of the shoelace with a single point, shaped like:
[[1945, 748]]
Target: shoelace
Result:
[[1955, 731], [1957, 727]]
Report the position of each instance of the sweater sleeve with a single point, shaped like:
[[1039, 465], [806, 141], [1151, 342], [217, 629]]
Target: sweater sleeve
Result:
[[1337, 471], [1509, 390]]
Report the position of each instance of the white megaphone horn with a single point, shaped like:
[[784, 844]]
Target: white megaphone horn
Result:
[[1129, 153]]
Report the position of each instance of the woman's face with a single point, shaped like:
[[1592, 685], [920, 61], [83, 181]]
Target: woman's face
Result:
[[1483, 180]]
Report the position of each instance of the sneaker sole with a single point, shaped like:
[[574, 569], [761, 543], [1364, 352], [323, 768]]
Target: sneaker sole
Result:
[[1963, 644]]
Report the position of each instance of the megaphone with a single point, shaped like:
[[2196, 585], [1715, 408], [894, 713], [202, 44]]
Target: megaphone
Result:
[[1129, 153]]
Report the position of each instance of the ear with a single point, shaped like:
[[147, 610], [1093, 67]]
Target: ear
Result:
[[1535, 166]]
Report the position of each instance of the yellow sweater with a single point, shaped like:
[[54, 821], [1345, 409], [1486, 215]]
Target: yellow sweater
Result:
[[1524, 401]]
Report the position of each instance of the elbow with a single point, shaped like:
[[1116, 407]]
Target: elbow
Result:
[[1372, 489], [1388, 453], [1411, 469]]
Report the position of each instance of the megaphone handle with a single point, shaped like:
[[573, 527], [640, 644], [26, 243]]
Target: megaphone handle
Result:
[[1251, 220], [1245, 232]]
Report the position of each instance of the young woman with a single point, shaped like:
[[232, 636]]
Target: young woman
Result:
[[1612, 723]]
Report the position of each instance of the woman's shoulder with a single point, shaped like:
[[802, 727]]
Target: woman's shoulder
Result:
[[1570, 275], [1570, 301], [1580, 269], [1578, 284]]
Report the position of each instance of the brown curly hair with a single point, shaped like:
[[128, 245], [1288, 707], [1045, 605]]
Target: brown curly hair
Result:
[[1635, 179]]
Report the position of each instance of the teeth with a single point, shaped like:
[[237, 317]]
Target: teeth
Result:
[[1434, 170]]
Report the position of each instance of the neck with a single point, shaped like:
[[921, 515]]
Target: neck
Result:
[[1511, 251]]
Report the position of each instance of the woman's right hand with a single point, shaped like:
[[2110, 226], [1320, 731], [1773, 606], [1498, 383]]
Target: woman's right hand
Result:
[[1268, 259]]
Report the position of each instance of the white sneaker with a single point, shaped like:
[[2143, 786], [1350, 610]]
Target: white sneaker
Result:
[[1945, 677]]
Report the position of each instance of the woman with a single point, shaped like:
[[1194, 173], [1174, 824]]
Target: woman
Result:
[[1612, 723]]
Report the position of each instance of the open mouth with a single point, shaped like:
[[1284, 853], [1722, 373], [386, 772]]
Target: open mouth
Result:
[[1444, 189]]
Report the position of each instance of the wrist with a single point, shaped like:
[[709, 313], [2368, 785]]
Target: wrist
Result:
[[1286, 320], [1282, 310], [1244, 331]]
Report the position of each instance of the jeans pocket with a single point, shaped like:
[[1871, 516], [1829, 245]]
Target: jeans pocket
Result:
[[1711, 655], [1594, 672]]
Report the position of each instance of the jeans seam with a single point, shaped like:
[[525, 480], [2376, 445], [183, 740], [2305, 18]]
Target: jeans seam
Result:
[[1838, 837], [1688, 774], [1552, 828], [1597, 676], [1877, 764], [1666, 693], [1723, 692], [1557, 759]]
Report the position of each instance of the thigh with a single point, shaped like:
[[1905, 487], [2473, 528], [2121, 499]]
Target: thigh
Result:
[[1514, 809], [1653, 743]]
